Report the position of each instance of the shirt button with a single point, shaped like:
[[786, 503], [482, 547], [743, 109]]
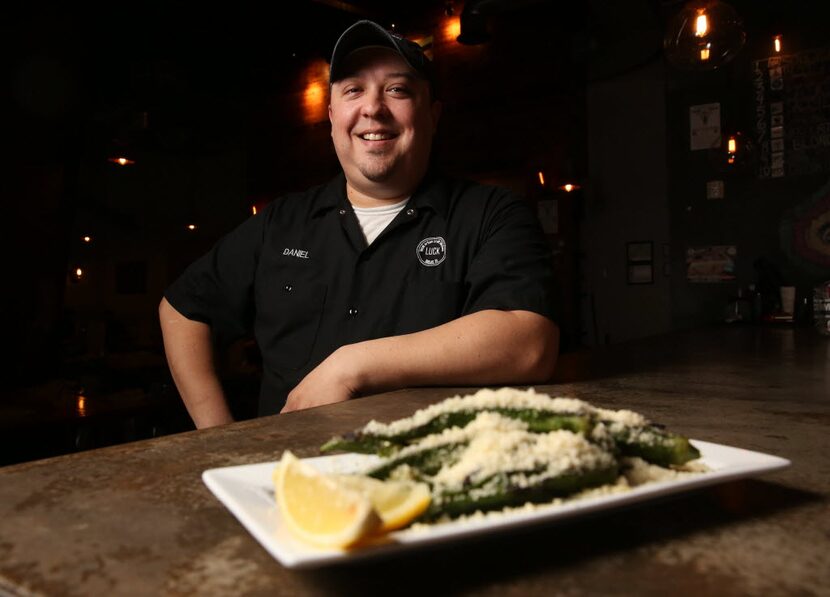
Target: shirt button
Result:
[[410, 212], [352, 312], [342, 212], [288, 288]]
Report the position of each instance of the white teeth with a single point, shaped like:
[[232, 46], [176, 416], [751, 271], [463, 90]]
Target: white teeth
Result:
[[376, 136]]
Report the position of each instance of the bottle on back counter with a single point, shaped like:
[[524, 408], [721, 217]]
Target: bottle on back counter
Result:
[[821, 308]]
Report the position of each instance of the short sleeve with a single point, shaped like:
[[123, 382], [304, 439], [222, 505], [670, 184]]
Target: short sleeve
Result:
[[512, 268], [217, 288]]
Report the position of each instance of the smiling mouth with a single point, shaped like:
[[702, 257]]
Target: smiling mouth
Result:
[[377, 136]]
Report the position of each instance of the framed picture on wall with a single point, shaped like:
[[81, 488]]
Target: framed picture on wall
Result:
[[640, 262], [641, 273]]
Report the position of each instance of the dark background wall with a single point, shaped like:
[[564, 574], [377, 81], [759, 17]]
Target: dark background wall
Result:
[[754, 211], [646, 184], [224, 109]]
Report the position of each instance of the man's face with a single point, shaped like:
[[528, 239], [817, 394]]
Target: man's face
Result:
[[382, 123]]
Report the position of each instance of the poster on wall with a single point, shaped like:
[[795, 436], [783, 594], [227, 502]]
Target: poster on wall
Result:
[[792, 125], [714, 263], [704, 126]]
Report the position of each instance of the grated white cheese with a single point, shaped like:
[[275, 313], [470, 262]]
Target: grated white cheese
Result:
[[624, 417], [504, 398], [486, 398], [484, 422], [538, 455], [639, 472], [499, 446]]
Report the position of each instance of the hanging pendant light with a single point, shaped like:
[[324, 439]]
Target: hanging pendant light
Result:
[[703, 36]]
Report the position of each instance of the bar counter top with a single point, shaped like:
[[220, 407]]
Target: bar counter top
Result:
[[136, 519]]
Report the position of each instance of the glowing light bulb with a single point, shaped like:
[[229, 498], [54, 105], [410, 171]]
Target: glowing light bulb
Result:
[[87, 239], [703, 38], [701, 24], [731, 150], [121, 161], [191, 226], [776, 42], [253, 209], [79, 273]]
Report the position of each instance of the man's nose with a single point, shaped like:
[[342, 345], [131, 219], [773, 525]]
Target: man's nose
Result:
[[374, 105]]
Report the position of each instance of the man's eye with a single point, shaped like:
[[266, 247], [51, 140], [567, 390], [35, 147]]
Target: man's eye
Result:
[[399, 90], [351, 90]]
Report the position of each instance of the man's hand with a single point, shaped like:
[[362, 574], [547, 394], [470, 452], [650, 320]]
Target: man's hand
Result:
[[331, 381]]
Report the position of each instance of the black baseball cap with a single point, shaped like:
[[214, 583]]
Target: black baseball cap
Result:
[[368, 33]]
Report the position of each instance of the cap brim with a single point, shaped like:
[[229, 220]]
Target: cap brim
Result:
[[359, 35]]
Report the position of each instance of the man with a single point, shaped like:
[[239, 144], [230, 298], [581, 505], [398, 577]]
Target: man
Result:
[[389, 276]]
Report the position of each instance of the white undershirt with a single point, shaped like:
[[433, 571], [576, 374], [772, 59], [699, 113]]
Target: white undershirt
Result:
[[374, 220]]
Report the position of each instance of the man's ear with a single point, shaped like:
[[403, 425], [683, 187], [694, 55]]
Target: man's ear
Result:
[[436, 114]]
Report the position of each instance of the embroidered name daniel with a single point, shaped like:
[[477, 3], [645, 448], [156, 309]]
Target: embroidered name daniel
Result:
[[295, 253]]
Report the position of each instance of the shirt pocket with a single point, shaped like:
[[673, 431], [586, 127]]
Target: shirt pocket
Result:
[[288, 321]]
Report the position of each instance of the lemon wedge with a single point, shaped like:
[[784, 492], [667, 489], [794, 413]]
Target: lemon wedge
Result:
[[397, 502], [318, 508]]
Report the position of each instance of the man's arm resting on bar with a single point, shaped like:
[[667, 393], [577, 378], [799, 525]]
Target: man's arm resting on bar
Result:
[[189, 350], [484, 348]]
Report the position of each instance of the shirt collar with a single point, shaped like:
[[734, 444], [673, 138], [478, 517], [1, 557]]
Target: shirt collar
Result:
[[431, 193], [331, 196]]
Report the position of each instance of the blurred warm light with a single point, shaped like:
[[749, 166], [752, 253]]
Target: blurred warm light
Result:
[[87, 239], [704, 54], [776, 42], [701, 23], [452, 28], [541, 176], [731, 150], [569, 186], [426, 42], [79, 273], [121, 161], [253, 209], [80, 405], [314, 95], [191, 226]]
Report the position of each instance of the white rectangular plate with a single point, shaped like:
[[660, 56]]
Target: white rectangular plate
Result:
[[247, 491]]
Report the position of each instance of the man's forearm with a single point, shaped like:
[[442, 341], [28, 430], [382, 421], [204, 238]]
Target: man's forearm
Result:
[[484, 348], [189, 351]]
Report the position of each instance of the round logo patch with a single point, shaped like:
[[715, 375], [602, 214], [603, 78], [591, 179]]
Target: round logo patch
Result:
[[432, 251]]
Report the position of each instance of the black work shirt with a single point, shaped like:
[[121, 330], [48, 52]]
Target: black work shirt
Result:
[[300, 273]]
